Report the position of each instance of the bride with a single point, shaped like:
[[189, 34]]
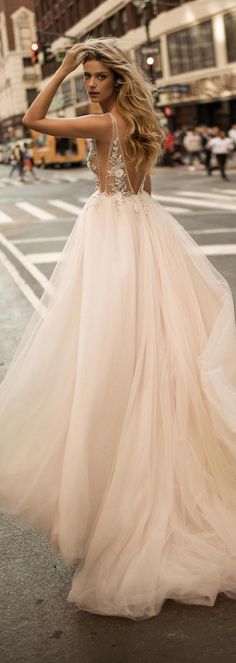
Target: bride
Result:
[[118, 411]]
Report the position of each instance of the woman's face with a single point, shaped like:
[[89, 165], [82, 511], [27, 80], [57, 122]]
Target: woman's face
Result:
[[99, 81]]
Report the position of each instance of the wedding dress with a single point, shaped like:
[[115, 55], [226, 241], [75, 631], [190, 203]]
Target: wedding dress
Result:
[[118, 411]]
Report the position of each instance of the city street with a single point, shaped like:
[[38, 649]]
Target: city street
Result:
[[37, 624]]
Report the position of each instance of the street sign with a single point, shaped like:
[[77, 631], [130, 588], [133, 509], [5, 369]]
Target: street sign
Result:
[[175, 87], [146, 50]]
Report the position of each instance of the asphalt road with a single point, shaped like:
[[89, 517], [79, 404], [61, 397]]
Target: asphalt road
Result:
[[37, 624]]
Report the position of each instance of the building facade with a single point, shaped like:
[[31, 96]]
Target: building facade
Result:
[[194, 63], [193, 45], [80, 18], [19, 80]]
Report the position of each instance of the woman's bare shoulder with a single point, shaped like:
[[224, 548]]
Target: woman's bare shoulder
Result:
[[95, 126]]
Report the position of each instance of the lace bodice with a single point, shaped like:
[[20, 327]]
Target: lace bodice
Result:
[[112, 177]]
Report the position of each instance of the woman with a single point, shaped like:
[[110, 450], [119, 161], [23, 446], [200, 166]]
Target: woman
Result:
[[118, 412]]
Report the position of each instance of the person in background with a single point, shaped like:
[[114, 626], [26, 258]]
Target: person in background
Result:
[[28, 161], [220, 145], [169, 148], [193, 145], [17, 162], [232, 134]]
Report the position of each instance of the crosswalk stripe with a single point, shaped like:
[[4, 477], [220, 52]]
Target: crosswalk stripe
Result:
[[62, 204], [43, 258], [195, 203], [200, 194], [212, 231], [219, 249], [33, 240], [4, 218], [227, 192], [8, 180], [83, 199], [177, 210], [37, 212]]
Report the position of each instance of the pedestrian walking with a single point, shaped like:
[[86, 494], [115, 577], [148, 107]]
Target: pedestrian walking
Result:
[[193, 145], [232, 134], [221, 146], [169, 148], [118, 411], [17, 162], [28, 162]]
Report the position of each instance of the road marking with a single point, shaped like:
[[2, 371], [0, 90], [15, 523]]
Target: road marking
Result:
[[230, 192], [200, 194], [22, 285], [212, 231], [32, 240], [195, 203], [23, 260], [83, 199], [8, 180], [219, 249], [37, 212], [178, 210], [4, 218], [43, 258], [68, 207]]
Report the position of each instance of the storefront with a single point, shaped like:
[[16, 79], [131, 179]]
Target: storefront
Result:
[[210, 101]]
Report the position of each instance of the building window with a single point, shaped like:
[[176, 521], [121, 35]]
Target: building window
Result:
[[230, 31], [81, 94], [1, 46], [31, 93], [66, 93], [191, 49], [24, 31], [124, 20], [27, 62]]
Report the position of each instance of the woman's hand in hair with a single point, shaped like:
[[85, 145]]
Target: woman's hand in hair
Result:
[[71, 60]]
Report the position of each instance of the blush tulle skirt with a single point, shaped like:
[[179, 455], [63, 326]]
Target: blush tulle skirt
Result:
[[118, 414]]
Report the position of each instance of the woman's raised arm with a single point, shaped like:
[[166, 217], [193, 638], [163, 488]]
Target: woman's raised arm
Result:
[[87, 126]]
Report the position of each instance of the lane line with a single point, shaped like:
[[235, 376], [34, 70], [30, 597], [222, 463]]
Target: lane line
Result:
[[68, 207], [195, 203], [22, 285], [4, 218], [23, 260], [35, 211]]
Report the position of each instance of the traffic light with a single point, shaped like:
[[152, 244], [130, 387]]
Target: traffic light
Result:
[[150, 63], [48, 55], [34, 52]]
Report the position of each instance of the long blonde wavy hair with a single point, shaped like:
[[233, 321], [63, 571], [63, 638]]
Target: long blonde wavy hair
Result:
[[134, 98]]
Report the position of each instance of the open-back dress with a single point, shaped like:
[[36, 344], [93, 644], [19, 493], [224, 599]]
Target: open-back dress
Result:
[[118, 410]]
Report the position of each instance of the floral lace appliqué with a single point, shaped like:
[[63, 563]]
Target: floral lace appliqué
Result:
[[116, 180]]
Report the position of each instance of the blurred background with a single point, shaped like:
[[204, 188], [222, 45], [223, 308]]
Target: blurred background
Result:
[[187, 48]]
